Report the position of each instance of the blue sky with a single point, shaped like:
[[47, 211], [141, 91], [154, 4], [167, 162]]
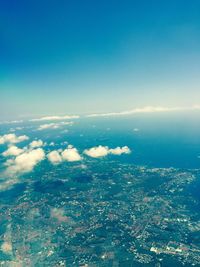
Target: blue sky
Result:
[[60, 57]]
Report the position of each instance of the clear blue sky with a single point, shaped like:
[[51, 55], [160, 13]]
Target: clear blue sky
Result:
[[97, 56]]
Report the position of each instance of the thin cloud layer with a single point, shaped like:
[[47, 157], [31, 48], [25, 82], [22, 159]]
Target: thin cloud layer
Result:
[[102, 151], [55, 118], [48, 126], [53, 125], [11, 122], [148, 109], [12, 138], [8, 183]]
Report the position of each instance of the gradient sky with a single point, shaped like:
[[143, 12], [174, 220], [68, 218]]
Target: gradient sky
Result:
[[64, 57]]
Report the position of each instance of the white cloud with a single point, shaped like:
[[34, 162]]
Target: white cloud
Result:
[[148, 109], [12, 138], [97, 152], [48, 126], [120, 150], [19, 128], [11, 122], [25, 162], [54, 157], [8, 183], [53, 125], [17, 121], [71, 154], [52, 144], [36, 143], [102, 151], [55, 118], [13, 151], [16, 129]]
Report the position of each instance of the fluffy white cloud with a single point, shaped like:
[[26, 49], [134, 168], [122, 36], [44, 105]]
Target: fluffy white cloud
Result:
[[97, 152], [102, 151], [148, 109], [13, 151], [54, 157], [120, 150], [36, 143], [12, 138], [25, 162], [53, 125], [71, 154], [55, 118]]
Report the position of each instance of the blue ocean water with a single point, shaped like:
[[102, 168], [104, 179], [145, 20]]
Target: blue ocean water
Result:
[[164, 140]]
